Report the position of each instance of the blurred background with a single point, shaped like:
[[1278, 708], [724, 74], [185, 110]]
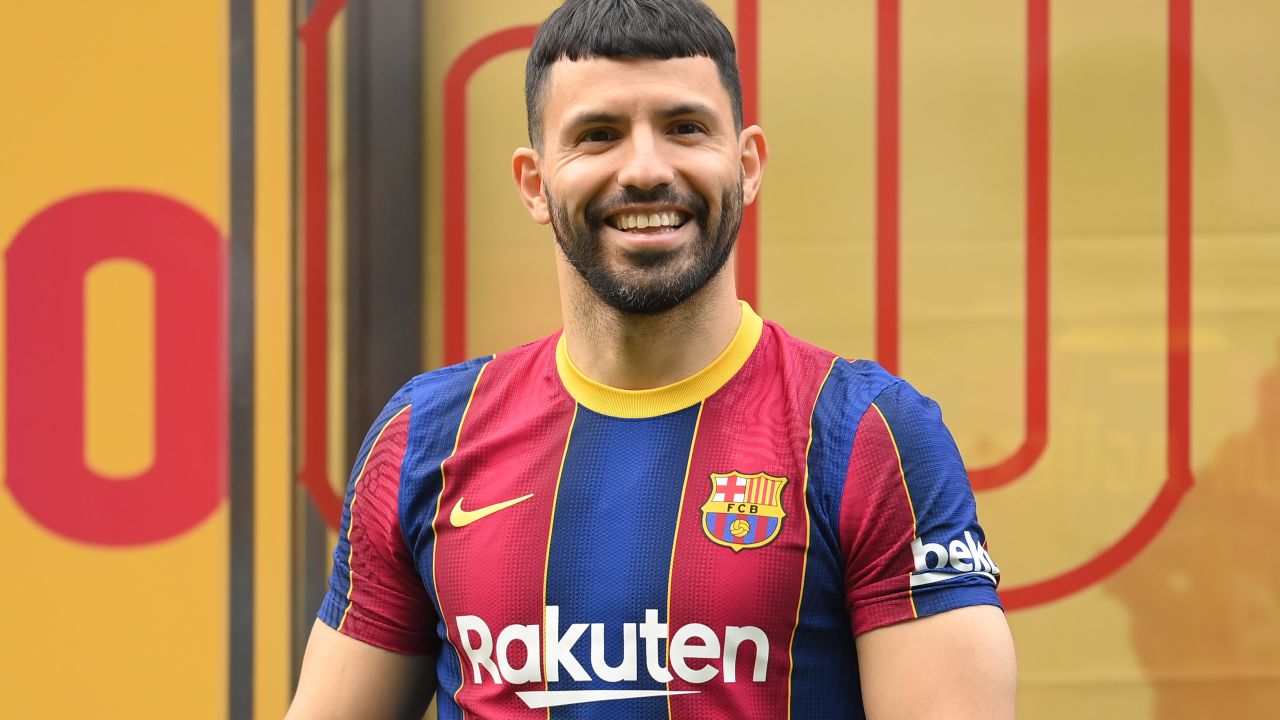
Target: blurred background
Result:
[[231, 229]]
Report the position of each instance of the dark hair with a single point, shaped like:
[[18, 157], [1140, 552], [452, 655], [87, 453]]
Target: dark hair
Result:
[[649, 29]]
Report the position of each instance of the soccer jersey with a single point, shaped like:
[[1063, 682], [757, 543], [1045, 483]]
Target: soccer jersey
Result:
[[705, 550]]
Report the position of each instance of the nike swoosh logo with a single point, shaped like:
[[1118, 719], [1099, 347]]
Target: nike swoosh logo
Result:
[[462, 518], [556, 698]]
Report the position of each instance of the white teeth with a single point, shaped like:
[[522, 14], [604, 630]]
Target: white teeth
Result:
[[632, 221]]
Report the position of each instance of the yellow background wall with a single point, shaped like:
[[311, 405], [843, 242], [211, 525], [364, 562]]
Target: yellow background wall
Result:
[[136, 95], [103, 96]]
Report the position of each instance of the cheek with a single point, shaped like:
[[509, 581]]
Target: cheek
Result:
[[710, 176], [577, 183]]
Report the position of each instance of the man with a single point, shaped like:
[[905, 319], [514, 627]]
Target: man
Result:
[[672, 508]]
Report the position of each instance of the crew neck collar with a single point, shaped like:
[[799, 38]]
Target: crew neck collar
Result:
[[657, 401]]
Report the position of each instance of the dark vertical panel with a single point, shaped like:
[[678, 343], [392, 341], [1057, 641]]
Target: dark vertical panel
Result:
[[384, 205], [240, 671]]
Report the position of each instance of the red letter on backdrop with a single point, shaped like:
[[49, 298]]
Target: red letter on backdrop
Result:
[[45, 270]]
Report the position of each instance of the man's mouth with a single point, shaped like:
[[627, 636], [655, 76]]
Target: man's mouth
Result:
[[648, 222]]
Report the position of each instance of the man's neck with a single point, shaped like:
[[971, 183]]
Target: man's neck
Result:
[[639, 352]]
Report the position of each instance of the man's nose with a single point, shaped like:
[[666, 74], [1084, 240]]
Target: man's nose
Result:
[[645, 165]]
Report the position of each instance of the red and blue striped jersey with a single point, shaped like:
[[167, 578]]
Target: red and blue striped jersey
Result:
[[704, 550]]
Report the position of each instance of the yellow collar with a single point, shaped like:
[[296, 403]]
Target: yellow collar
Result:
[[668, 398]]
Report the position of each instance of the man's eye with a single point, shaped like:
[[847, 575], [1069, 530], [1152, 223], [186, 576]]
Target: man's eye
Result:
[[687, 128], [597, 136]]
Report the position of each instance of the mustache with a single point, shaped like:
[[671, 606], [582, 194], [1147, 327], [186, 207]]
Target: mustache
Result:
[[598, 210]]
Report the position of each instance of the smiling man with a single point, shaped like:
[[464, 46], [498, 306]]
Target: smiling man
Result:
[[672, 508]]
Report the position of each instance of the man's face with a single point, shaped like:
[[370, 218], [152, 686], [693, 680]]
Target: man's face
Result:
[[642, 175]]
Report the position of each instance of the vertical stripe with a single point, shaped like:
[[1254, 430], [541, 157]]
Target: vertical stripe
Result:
[[675, 537], [435, 524], [821, 650], [518, 396], [308, 535], [1179, 204], [888, 148], [748, 41], [758, 423], [763, 525], [454, 133], [315, 277], [382, 194], [902, 476], [551, 530], [318, 506], [1035, 433], [808, 530], [240, 673], [273, 404], [615, 513]]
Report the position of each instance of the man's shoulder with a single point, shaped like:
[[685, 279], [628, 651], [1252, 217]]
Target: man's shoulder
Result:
[[850, 380], [432, 386], [857, 390], [444, 386]]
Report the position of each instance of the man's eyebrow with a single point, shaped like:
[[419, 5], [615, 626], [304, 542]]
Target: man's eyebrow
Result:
[[689, 108], [599, 117], [594, 117]]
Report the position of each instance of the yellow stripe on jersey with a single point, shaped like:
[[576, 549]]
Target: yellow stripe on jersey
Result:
[[435, 544], [546, 567], [675, 539]]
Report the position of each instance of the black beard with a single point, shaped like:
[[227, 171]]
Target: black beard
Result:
[[656, 282]]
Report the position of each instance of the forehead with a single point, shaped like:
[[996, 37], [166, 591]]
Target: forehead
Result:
[[632, 85]]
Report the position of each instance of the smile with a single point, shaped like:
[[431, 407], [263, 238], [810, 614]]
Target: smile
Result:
[[645, 221]]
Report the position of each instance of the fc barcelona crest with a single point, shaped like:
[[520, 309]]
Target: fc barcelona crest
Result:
[[744, 511]]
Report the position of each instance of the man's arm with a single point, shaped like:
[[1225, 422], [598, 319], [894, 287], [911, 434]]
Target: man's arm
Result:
[[955, 665], [931, 639], [369, 654], [345, 678]]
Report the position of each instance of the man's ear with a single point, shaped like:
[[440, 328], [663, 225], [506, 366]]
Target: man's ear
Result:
[[524, 167], [754, 152]]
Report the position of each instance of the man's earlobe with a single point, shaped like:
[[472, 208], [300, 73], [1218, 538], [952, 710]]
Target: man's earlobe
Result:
[[529, 180], [754, 154]]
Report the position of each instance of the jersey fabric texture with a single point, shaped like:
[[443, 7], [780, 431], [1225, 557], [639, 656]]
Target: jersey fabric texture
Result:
[[703, 550]]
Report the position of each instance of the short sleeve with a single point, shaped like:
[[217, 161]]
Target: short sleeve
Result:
[[375, 592], [908, 521]]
